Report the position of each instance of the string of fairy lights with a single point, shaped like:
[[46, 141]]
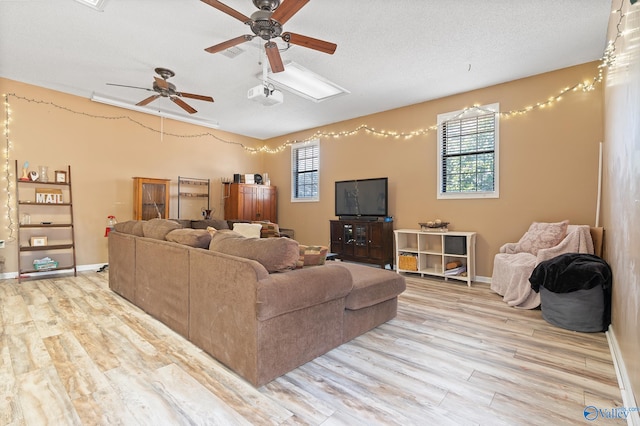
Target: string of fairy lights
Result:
[[606, 61]]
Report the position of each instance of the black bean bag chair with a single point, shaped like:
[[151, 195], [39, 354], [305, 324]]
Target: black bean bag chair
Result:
[[575, 291]]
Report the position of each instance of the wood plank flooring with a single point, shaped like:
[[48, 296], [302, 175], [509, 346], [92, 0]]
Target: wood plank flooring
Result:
[[74, 353]]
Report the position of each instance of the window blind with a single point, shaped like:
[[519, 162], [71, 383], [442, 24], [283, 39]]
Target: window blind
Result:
[[468, 154], [306, 164]]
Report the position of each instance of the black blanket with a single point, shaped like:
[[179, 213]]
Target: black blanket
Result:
[[570, 272]]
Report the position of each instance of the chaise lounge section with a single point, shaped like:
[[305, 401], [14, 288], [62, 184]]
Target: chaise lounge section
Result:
[[259, 322]]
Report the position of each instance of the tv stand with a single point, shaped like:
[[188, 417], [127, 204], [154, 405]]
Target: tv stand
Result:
[[363, 240]]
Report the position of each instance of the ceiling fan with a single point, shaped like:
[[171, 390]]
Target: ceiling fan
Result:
[[168, 90], [267, 23]]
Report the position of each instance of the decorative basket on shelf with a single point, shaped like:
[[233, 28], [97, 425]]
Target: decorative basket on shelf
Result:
[[434, 226], [44, 264], [408, 262]]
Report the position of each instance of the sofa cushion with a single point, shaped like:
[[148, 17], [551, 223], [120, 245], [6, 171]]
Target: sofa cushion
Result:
[[159, 228], [275, 254], [133, 227], [184, 223], [249, 230], [199, 238], [221, 235], [372, 285], [540, 236], [214, 223], [301, 289], [312, 255]]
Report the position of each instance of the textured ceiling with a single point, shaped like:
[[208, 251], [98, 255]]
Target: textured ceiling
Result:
[[390, 53]]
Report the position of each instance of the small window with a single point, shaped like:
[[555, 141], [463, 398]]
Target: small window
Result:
[[468, 153], [305, 171]]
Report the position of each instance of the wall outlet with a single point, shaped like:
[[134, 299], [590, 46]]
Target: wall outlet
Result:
[[1, 244]]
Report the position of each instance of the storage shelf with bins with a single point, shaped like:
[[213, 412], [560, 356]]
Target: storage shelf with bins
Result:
[[429, 252], [50, 223], [191, 190]]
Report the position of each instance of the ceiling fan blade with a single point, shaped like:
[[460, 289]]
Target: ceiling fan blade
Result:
[[182, 104], [148, 100], [273, 54], [228, 10], [229, 43], [162, 83], [131, 87], [198, 97], [310, 42], [287, 9]]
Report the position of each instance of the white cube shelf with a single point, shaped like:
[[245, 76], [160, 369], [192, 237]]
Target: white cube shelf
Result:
[[429, 252]]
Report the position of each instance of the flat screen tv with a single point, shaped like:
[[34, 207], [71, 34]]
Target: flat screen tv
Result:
[[366, 198]]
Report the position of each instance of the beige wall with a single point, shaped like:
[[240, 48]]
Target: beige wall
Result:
[[548, 164], [105, 154], [621, 191], [548, 160]]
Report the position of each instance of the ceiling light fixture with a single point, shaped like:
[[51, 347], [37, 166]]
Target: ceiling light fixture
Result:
[[298, 80], [94, 4], [156, 112]]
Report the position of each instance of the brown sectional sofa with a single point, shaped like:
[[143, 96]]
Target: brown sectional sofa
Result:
[[259, 324]]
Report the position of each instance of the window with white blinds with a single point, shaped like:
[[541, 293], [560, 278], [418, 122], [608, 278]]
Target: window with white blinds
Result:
[[305, 171], [468, 153]]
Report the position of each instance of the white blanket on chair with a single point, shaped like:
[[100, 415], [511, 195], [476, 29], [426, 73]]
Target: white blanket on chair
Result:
[[511, 271]]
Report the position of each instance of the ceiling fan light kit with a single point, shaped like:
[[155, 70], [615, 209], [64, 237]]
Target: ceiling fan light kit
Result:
[[267, 23], [167, 90]]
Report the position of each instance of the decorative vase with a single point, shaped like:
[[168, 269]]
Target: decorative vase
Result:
[[44, 173]]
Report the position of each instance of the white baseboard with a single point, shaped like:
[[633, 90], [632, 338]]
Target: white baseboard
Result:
[[80, 268], [628, 398]]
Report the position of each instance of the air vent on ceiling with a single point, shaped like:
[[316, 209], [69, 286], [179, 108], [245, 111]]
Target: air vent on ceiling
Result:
[[232, 52]]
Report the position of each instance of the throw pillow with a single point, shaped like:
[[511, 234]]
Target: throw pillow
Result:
[[249, 230], [133, 227], [269, 229], [159, 228], [542, 235], [275, 254], [219, 235], [312, 256], [199, 238]]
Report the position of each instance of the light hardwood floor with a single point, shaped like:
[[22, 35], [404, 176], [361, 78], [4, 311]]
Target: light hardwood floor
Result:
[[74, 353]]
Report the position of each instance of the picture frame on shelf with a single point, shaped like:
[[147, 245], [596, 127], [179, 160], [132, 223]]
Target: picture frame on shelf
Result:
[[61, 176], [38, 241]]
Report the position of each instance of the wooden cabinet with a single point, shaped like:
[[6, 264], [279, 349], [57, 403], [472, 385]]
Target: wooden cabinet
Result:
[[429, 253], [46, 239], [250, 202], [150, 198], [363, 241]]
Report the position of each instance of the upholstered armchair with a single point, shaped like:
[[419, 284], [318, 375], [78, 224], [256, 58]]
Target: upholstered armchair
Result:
[[515, 262]]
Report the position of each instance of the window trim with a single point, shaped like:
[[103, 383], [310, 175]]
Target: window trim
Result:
[[465, 113], [294, 148]]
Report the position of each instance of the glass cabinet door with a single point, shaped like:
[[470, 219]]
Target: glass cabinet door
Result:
[[348, 239], [361, 240], [151, 199]]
